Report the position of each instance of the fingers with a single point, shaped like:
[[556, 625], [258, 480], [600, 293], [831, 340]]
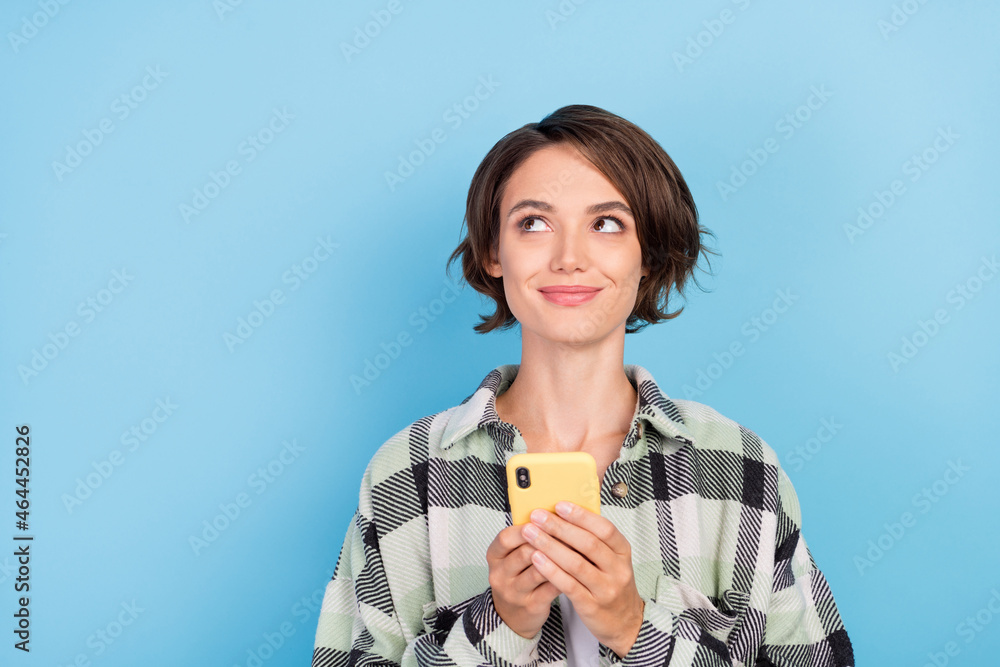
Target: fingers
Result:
[[555, 571], [595, 524], [504, 543], [547, 592], [577, 537], [579, 549], [577, 568], [521, 594], [518, 561], [518, 570]]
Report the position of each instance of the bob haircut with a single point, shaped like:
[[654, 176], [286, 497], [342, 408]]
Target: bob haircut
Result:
[[664, 210]]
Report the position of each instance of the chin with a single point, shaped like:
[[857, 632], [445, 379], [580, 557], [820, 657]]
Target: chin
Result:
[[569, 332]]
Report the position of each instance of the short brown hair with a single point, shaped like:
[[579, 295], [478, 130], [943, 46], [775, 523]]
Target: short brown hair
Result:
[[664, 210]]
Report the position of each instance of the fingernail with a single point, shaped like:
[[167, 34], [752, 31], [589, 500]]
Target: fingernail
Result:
[[563, 508], [539, 516], [530, 531]]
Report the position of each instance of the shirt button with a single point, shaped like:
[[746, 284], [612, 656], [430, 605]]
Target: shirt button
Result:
[[619, 490]]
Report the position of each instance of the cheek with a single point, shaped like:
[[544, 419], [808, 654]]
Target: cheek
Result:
[[518, 266]]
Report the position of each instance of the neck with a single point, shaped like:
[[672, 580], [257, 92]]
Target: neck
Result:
[[570, 399]]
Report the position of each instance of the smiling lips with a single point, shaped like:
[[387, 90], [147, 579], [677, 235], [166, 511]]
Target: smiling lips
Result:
[[569, 295]]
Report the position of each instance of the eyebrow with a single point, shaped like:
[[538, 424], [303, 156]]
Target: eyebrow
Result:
[[603, 207]]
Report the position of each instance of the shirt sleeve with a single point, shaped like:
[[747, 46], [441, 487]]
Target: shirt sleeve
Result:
[[803, 625], [360, 624], [803, 628]]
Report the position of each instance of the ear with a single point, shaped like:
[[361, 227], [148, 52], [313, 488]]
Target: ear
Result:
[[493, 266]]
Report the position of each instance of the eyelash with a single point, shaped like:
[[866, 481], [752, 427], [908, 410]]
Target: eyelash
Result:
[[520, 224]]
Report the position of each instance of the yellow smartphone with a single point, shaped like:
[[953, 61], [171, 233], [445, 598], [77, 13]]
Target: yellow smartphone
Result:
[[543, 479]]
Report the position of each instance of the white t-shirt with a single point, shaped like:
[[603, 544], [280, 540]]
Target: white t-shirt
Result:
[[582, 647]]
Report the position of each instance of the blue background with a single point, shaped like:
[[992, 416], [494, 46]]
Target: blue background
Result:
[[351, 118]]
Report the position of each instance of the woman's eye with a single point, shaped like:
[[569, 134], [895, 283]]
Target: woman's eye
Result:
[[526, 222], [615, 226], [601, 225]]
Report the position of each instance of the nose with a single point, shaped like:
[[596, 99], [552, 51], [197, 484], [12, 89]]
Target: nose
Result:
[[570, 251]]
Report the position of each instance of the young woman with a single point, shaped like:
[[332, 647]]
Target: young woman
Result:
[[578, 228]]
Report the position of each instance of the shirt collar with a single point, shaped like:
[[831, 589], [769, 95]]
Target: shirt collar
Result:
[[478, 410]]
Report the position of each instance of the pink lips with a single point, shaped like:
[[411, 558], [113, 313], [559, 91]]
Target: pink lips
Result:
[[569, 295]]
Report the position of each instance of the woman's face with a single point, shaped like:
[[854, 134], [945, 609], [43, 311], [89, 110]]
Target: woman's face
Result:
[[562, 223]]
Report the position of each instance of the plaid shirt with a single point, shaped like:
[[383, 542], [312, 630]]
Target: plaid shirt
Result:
[[712, 519]]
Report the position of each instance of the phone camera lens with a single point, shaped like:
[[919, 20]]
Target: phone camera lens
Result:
[[523, 480]]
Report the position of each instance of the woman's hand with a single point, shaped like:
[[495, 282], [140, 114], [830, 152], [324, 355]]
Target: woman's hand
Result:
[[585, 556], [521, 595]]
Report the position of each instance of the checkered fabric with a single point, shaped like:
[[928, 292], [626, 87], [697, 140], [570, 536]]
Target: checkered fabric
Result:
[[712, 519]]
